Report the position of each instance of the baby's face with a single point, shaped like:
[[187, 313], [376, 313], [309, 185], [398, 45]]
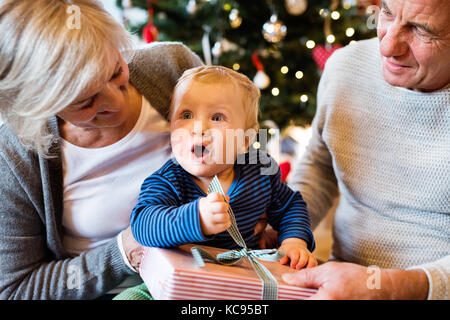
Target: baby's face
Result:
[[207, 126]]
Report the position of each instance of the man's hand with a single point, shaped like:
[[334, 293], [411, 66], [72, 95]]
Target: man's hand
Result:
[[297, 252], [340, 280], [214, 217]]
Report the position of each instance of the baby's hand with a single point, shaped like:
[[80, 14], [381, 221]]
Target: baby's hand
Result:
[[296, 251], [214, 217]]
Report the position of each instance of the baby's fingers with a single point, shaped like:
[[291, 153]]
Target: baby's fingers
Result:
[[294, 256], [284, 259], [302, 261], [219, 207], [221, 218], [312, 262]]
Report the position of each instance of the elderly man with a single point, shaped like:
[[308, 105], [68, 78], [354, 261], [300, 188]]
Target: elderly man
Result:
[[381, 139]]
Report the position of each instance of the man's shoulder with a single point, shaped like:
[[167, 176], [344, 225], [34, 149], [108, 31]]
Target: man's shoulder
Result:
[[361, 54], [352, 71]]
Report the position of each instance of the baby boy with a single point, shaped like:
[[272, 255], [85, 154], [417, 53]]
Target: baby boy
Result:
[[213, 119]]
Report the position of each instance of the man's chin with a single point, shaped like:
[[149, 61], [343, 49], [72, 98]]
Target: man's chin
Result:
[[397, 80]]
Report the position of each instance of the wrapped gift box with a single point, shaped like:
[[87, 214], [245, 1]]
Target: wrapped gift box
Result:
[[172, 274]]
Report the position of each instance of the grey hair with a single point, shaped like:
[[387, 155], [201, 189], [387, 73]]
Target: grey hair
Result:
[[45, 64]]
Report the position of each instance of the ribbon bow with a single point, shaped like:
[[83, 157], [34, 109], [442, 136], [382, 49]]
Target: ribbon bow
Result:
[[270, 285]]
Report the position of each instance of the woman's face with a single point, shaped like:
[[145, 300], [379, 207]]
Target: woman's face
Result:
[[103, 105]]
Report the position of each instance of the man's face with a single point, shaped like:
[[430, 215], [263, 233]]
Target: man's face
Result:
[[414, 40]]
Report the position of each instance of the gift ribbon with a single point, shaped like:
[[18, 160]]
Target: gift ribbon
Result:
[[270, 285]]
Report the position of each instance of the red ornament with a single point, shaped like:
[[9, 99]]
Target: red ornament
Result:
[[362, 5], [150, 32], [285, 168], [321, 54]]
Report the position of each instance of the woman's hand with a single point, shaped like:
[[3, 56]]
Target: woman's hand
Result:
[[340, 280], [133, 250]]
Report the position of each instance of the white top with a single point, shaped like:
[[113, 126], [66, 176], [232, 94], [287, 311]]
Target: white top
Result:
[[387, 150], [101, 185]]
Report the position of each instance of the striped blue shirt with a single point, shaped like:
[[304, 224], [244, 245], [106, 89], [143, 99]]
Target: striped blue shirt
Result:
[[167, 212]]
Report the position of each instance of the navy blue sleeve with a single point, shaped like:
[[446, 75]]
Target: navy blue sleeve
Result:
[[287, 212], [159, 219]]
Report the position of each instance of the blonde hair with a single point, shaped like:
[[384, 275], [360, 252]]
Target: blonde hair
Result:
[[251, 93], [47, 61]]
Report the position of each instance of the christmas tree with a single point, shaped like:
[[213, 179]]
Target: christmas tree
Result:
[[281, 45]]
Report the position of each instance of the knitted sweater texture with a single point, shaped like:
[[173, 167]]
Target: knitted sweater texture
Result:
[[386, 151]]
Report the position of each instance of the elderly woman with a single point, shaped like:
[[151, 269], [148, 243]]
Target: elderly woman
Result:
[[84, 125], [381, 139]]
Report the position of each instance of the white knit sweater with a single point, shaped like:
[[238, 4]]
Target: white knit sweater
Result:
[[387, 150]]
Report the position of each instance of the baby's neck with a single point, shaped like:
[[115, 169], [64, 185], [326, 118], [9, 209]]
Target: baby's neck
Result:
[[226, 178]]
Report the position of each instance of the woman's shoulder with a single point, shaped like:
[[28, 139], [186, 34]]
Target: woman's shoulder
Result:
[[161, 49], [10, 146], [19, 168], [170, 57]]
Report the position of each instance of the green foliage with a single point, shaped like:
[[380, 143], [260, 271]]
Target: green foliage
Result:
[[176, 24]]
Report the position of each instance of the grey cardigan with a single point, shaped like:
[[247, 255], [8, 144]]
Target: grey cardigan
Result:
[[33, 261]]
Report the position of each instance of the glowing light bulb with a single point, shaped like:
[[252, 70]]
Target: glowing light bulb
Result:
[[236, 66], [299, 74], [275, 91], [349, 32], [304, 98], [284, 69], [310, 44], [331, 38], [335, 15]]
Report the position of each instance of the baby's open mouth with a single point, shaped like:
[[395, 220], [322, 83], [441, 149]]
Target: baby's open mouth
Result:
[[199, 150]]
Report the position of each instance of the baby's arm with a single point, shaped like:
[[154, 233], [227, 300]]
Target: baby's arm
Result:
[[287, 213], [159, 219]]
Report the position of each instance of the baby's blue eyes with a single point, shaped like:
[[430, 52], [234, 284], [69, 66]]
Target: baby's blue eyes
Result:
[[186, 115], [217, 117]]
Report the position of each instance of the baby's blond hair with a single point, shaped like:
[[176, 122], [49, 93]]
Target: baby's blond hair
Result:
[[222, 74]]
